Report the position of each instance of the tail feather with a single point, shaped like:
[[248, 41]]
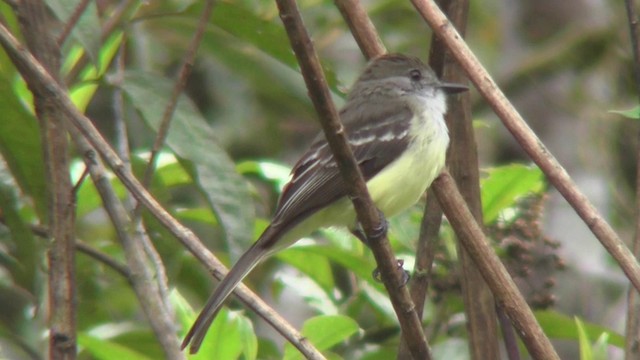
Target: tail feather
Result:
[[238, 272]]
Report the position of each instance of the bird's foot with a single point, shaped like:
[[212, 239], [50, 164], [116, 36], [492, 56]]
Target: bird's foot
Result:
[[405, 274]]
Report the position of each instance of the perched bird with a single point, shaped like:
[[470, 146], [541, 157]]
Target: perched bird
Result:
[[394, 122]]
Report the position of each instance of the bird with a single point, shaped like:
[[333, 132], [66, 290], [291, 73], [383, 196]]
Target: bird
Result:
[[394, 120]]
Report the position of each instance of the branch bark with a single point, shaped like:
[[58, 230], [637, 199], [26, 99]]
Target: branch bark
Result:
[[462, 161], [37, 77], [514, 122], [368, 215], [361, 28], [493, 271]]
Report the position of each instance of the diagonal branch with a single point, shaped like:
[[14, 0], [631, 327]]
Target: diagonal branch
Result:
[[368, 215], [178, 87], [514, 122], [493, 271], [36, 76], [462, 161]]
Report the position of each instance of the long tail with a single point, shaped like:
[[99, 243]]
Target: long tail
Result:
[[245, 264]]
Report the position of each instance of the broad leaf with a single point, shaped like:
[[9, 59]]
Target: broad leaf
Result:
[[505, 185], [192, 139]]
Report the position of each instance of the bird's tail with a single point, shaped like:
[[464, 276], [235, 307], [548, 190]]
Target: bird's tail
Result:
[[245, 264]]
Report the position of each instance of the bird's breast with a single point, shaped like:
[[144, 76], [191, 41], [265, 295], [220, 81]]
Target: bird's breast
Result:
[[402, 182]]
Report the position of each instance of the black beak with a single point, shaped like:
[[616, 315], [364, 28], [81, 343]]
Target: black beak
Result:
[[451, 88]]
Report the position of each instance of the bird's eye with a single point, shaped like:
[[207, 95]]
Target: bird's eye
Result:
[[415, 75]]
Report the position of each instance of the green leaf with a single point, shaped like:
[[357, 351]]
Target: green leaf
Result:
[[24, 247], [87, 197], [583, 341], [313, 264], [560, 326], [85, 29], [82, 92], [192, 139], [103, 349], [324, 332], [633, 113], [600, 347], [231, 334], [20, 140], [360, 265], [267, 170], [314, 296], [505, 185], [228, 337], [248, 338]]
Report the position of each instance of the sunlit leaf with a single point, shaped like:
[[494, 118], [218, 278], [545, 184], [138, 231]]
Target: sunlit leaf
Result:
[[506, 184], [312, 264], [324, 332], [583, 341], [104, 349], [83, 91], [633, 113], [267, 170]]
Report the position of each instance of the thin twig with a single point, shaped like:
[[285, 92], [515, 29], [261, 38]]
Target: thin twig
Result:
[[361, 27], [83, 247], [504, 289], [153, 306], [632, 331], [73, 20], [163, 131], [104, 258], [425, 252], [514, 122], [368, 215], [122, 145], [178, 87], [35, 75]]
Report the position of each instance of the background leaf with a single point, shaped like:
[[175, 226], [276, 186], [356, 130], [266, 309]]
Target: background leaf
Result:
[[193, 140]]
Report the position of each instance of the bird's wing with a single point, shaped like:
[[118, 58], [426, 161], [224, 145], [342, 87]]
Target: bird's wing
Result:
[[376, 140]]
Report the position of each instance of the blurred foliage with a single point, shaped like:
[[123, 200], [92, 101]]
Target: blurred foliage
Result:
[[244, 116]]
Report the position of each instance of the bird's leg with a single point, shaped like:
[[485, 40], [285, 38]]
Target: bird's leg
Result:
[[378, 233]]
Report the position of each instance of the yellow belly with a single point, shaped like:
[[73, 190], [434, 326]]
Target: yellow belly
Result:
[[394, 189]]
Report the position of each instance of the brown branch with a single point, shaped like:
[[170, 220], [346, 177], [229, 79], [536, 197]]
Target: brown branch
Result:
[[368, 215], [104, 258], [178, 87], [37, 77], [504, 289], [71, 23], [33, 19], [462, 161], [142, 279], [122, 145], [514, 122], [361, 28], [425, 252], [632, 330]]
